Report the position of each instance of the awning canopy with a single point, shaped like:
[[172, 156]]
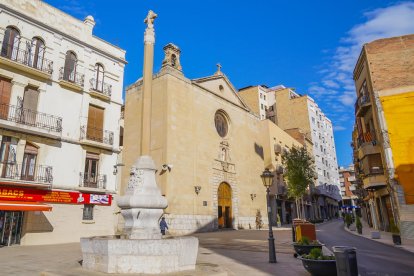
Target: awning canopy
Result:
[[24, 206]]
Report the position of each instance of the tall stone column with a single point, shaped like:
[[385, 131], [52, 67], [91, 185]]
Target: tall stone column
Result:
[[149, 41]]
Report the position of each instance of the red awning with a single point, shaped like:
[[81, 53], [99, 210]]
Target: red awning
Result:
[[24, 206]]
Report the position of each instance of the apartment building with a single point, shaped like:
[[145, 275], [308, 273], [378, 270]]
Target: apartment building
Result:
[[60, 106], [301, 118], [348, 183], [384, 133]]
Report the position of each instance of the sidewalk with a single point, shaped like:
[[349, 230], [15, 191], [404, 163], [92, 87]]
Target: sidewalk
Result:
[[386, 237], [221, 253]]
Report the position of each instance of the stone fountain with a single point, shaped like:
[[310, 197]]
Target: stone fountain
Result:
[[141, 248]]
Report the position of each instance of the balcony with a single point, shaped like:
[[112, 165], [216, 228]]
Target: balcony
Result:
[[26, 61], [368, 148], [30, 121], [26, 174], [92, 183], [69, 78], [362, 104], [100, 89], [374, 178], [96, 137]]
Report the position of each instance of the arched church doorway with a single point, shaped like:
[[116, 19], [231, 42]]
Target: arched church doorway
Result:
[[224, 206]]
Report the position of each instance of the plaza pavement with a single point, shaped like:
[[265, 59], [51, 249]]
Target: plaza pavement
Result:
[[228, 252]]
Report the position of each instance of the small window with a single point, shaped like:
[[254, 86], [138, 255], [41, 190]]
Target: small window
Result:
[[261, 106], [264, 97], [87, 212]]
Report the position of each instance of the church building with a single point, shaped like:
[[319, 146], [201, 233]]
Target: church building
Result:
[[209, 148]]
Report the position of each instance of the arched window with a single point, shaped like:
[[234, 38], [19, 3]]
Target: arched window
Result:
[[173, 60], [36, 53], [99, 77], [70, 66], [11, 41]]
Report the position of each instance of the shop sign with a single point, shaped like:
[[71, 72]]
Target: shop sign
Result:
[[54, 196]]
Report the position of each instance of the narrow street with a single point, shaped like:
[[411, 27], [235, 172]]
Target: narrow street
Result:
[[373, 258]]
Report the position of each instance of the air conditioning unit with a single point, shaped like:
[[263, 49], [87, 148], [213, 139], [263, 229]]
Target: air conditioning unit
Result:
[[278, 148]]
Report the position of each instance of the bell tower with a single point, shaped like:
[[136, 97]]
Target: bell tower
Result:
[[172, 56]]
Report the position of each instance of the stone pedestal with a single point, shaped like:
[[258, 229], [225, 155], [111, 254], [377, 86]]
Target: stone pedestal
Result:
[[150, 256]]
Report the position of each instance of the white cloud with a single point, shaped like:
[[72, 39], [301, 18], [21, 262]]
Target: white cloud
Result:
[[394, 20], [339, 128]]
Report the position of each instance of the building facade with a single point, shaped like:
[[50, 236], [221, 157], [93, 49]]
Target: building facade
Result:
[[383, 132], [60, 105], [348, 185], [210, 149], [301, 117]]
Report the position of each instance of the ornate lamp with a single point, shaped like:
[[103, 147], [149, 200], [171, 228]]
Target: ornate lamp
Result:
[[267, 178]]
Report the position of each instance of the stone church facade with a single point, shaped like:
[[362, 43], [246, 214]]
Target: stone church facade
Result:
[[208, 146]]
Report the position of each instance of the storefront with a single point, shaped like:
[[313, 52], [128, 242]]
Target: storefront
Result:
[[17, 203]]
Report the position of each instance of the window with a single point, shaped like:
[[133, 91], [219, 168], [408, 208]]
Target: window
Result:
[[36, 53], [90, 178], [313, 120], [8, 156], [261, 106], [94, 129], [30, 101], [11, 43], [70, 66], [87, 212], [5, 94], [99, 78], [29, 162], [221, 123], [264, 97], [173, 60]]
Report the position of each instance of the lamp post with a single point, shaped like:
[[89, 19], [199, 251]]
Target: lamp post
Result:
[[267, 178]]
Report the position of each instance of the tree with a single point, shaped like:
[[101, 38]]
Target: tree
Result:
[[299, 173]]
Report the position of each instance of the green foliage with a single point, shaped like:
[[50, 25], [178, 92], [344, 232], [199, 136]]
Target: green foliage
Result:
[[348, 220], [306, 241], [303, 241], [394, 228], [299, 171], [316, 254]]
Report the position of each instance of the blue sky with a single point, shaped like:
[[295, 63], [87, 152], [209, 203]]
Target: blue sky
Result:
[[311, 46]]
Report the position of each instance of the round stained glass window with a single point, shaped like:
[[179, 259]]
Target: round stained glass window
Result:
[[222, 126]]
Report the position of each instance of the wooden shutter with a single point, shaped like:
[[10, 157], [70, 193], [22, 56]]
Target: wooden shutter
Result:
[[95, 123], [5, 93], [30, 99]]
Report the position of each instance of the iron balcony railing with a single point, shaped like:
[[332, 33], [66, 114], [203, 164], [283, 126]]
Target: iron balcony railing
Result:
[[97, 135], [70, 75], [26, 172], [26, 57], [29, 117], [90, 180], [101, 87]]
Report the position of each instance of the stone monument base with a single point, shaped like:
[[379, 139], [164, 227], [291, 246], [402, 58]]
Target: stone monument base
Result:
[[115, 255]]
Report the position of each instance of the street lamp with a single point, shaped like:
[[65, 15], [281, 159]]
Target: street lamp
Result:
[[267, 178]]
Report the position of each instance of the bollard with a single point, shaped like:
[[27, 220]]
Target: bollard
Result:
[[346, 261]]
